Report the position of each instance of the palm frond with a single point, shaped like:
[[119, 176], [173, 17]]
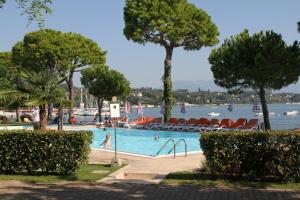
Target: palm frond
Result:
[[11, 95]]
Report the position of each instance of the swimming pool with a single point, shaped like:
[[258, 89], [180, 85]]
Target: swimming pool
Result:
[[142, 142]]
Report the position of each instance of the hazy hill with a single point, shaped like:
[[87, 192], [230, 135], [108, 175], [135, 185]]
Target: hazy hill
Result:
[[195, 85], [210, 85]]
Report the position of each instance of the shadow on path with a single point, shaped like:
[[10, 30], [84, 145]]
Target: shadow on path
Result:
[[12, 190]]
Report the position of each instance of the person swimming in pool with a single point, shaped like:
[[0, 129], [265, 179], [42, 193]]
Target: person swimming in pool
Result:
[[100, 125], [156, 136], [106, 143]]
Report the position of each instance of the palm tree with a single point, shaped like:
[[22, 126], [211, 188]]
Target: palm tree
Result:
[[41, 88]]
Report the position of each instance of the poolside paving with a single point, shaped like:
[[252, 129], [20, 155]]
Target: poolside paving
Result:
[[141, 168]]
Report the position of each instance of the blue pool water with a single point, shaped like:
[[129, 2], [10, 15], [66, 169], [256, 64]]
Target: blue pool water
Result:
[[142, 141]]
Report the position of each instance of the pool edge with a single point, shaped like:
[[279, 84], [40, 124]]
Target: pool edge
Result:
[[146, 156]]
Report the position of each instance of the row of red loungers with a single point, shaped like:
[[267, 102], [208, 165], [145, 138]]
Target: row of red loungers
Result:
[[195, 125]]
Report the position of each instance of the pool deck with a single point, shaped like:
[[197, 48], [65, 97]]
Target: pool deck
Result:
[[140, 168]]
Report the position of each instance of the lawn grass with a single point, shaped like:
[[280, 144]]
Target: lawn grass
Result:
[[195, 178], [15, 123], [83, 174]]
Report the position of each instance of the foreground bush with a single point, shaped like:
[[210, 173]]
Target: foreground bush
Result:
[[256, 155], [47, 151]]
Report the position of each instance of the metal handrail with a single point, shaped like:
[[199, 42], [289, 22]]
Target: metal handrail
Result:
[[163, 146], [174, 147]]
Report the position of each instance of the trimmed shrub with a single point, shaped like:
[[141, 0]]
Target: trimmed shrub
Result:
[[256, 155], [48, 151]]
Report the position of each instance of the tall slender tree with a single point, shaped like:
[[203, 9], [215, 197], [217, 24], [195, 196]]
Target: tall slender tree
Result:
[[260, 62], [171, 24]]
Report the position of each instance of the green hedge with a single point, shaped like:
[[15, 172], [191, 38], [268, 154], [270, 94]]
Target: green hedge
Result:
[[47, 151], [256, 155]]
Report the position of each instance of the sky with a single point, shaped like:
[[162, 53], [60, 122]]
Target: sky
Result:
[[142, 65]]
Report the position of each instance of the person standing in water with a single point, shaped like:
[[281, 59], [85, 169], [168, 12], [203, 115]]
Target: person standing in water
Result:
[[106, 143]]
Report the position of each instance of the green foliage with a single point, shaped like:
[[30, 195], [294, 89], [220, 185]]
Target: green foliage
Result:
[[2, 2], [41, 50], [171, 24], [174, 23], [81, 52], [104, 83], [5, 69], [62, 52], [261, 61], [36, 89], [256, 155], [50, 151], [154, 97], [34, 9], [42, 87], [8, 82]]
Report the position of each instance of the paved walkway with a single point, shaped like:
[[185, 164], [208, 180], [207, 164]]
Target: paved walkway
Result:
[[14, 190]]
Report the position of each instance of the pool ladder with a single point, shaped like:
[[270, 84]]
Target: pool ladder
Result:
[[174, 146]]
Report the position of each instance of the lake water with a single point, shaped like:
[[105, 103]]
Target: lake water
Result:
[[278, 121]]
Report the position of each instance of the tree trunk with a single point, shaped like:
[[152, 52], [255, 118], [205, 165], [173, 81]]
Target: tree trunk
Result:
[[168, 97], [18, 114], [100, 104], [50, 112], [70, 85], [264, 108], [61, 118], [43, 116], [70, 88]]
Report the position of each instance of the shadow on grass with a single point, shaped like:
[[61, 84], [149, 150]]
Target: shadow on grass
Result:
[[84, 174]]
